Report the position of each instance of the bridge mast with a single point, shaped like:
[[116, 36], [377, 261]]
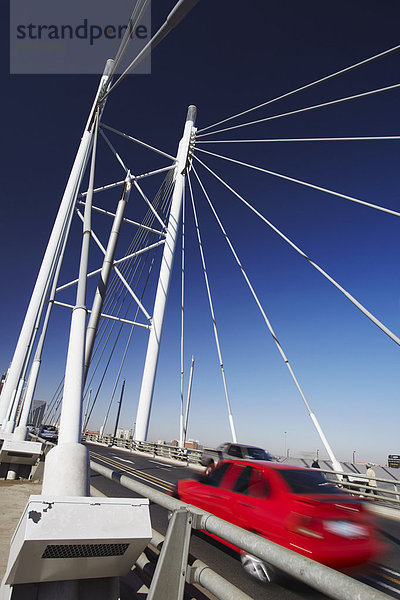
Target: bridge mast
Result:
[[49, 263], [153, 348]]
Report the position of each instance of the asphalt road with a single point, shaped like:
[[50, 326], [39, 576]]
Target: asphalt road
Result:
[[162, 475]]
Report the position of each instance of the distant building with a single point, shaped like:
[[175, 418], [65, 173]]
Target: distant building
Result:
[[36, 413], [193, 445]]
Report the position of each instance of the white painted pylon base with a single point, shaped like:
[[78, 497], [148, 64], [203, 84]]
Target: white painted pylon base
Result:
[[66, 471]]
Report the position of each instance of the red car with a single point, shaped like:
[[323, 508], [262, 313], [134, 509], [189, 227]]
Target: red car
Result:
[[295, 507]]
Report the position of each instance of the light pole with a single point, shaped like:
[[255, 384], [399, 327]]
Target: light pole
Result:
[[285, 434]]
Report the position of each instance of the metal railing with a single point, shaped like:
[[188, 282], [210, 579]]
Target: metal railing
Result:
[[387, 491], [184, 455], [186, 518]]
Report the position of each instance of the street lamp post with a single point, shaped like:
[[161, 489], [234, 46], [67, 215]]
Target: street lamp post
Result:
[[285, 434]]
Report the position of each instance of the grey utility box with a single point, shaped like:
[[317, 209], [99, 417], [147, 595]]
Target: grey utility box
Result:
[[19, 452], [60, 539]]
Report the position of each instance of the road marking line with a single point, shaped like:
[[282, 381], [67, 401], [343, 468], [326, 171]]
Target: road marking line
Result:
[[124, 459], [385, 585], [389, 570], [166, 485], [161, 464]]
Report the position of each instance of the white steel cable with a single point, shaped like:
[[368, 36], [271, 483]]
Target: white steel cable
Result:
[[113, 150], [141, 237], [112, 349], [316, 139], [304, 109], [132, 139], [356, 303], [127, 344], [305, 87], [203, 261], [305, 183], [133, 22], [162, 196], [270, 328], [180, 10]]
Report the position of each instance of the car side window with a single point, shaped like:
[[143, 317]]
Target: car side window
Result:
[[215, 477], [235, 451], [259, 487], [242, 483]]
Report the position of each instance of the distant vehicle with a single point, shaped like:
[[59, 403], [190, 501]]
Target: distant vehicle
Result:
[[394, 461], [295, 507], [49, 433], [230, 450]]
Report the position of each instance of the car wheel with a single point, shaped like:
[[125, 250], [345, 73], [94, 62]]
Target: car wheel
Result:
[[257, 568]]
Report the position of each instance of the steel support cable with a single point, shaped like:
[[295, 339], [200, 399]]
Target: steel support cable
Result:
[[168, 176], [212, 313], [138, 240], [62, 245], [35, 366], [317, 139], [115, 344], [267, 322], [305, 87], [111, 329], [49, 412], [304, 183], [113, 150], [114, 324], [49, 407], [140, 237], [138, 11], [274, 337], [304, 109], [126, 348], [118, 271], [180, 10], [132, 139], [356, 303]]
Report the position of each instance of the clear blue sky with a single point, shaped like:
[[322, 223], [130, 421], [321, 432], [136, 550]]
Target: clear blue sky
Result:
[[225, 60]]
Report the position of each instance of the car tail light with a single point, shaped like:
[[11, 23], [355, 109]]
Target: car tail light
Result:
[[305, 525], [346, 529]]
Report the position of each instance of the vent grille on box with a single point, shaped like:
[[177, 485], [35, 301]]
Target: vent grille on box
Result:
[[84, 550]]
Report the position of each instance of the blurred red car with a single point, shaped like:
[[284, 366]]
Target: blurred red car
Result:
[[295, 507]]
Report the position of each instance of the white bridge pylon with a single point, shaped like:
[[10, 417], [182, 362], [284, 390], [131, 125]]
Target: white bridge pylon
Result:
[[182, 166]]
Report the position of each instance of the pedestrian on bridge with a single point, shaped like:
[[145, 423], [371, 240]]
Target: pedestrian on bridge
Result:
[[372, 480]]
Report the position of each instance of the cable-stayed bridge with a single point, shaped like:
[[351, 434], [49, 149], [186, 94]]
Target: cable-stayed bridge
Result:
[[111, 282]]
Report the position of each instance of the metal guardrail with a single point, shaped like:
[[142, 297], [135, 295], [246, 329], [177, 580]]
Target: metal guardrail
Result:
[[388, 491], [184, 455], [324, 579], [360, 486]]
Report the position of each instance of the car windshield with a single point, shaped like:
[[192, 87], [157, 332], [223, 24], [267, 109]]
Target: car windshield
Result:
[[49, 428], [308, 482], [257, 454]]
